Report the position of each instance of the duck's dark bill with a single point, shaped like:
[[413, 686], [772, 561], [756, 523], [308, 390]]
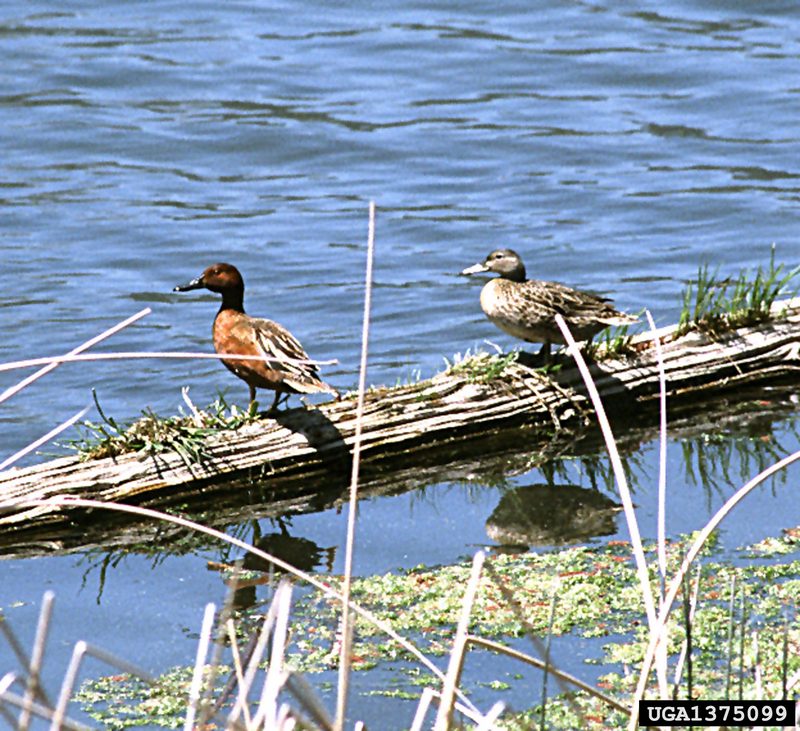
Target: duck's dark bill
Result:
[[475, 269], [194, 284]]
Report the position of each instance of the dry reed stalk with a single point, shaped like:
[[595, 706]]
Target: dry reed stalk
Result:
[[729, 654], [742, 626], [657, 636], [37, 709], [685, 644], [33, 686], [276, 675], [344, 657], [487, 723], [153, 354], [253, 663], [5, 464], [67, 685], [422, 708], [51, 364], [785, 654], [230, 628], [429, 694], [304, 694], [444, 717], [5, 683], [142, 512], [662, 455], [548, 642], [79, 652], [560, 674], [31, 707], [205, 705], [661, 520], [622, 486], [199, 667]]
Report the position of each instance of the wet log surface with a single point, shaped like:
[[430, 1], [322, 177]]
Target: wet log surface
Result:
[[300, 460]]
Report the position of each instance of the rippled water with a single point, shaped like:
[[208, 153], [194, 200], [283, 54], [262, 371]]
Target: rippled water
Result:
[[616, 148]]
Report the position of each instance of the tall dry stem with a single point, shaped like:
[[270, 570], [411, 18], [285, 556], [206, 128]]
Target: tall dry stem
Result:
[[5, 464], [658, 635], [622, 486], [52, 364], [344, 658], [445, 715]]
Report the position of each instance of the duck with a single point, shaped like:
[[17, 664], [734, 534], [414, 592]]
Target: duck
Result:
[[287, 368], [526, 308]]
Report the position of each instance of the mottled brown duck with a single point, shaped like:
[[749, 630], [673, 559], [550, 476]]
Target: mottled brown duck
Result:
[[526, 308]]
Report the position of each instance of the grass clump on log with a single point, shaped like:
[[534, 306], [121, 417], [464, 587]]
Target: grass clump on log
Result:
[[612, 342], [716, 305], [481, 367], [152, 434]]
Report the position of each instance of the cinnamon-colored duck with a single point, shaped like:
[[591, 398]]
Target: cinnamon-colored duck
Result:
[[287, 369]]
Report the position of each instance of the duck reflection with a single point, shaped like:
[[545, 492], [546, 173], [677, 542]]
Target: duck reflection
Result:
[[551, 515], [301, 553]]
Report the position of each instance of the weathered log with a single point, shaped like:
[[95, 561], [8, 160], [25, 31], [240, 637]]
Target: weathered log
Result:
[[488, 458], [419, 423]]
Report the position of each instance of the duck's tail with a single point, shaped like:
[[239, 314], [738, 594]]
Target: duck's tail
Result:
[[308, 385], [618, 319]]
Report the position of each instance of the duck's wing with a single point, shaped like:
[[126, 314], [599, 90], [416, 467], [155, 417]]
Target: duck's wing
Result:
[[287, 356], [574, 305]]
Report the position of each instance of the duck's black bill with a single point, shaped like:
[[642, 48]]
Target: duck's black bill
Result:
[[475, 269], [194, 284]]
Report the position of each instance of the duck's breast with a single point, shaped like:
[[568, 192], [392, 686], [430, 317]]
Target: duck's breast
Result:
[[509, 307]]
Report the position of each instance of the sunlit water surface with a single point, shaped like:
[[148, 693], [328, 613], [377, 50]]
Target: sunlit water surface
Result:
[[615, 148]]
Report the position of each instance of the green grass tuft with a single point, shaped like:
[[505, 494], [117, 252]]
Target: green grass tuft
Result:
[[610, 343], [714, 305], [153, 434], [481, 367]]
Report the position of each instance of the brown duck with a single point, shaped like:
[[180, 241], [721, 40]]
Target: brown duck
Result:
[[526, 308], [286, 369]]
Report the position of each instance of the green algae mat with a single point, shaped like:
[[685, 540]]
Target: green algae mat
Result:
[[744, 635]]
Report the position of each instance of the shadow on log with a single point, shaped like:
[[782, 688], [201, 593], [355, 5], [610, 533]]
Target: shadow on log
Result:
[[435, 430]]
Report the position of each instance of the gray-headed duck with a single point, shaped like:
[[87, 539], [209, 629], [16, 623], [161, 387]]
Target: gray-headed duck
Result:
[[526, 308]]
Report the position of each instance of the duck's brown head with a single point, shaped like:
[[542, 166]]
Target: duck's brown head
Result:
[[505, 262], [222, 278]]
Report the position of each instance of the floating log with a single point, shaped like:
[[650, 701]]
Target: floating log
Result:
[[471, 405]]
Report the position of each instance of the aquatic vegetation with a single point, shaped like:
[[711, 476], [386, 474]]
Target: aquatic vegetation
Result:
[[598, 597], [610, 343], [714, 305], [481, 367], [152, 434], [123, 701]]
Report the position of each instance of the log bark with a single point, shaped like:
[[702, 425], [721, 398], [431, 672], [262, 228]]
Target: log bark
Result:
[[420, 424]]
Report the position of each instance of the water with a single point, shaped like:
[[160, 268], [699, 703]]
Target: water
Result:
[[616, 148]]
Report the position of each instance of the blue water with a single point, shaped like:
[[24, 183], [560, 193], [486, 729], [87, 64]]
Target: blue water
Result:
[[615, 147]]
